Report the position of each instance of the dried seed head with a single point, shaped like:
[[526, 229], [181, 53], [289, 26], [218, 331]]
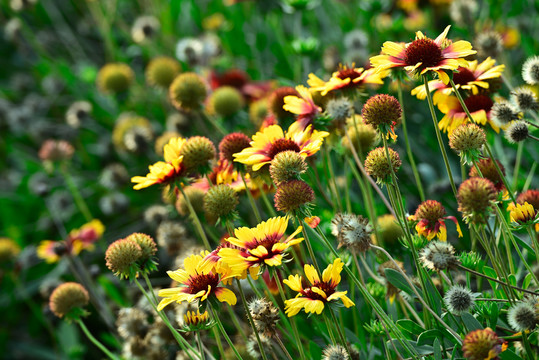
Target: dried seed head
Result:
[[525, 99], [522, 316], [335, 352], [137, 139], [144, 28], [516, 132], [146, 243], [488, 43], [352, 232], [530, 70], [286, 166], [292, 195], [339, 110], [78, 112], [463, 12], [220, 201], [378, 166], [68, 297], [459, 300], [265, 316], [171, 235], [438, 255], [155, 215], [382, 110], [187, 91], [56, 150], [503, 113], [131, 322], [114, 176]]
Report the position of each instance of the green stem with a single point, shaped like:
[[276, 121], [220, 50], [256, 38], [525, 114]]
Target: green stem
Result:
[[251, 199], [251, 322], [333, 180], [200, 347], [196, 220], [340, 331], [283, 348], [517, 164], [330, 329], [95, 341], [308, 243], [495, 280], [79, 200], [223, 331], [438, 135], [219, 343]]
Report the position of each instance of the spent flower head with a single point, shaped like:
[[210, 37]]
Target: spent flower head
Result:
[[438, 255], [525, 99], [459, 300], [286, 166], [294, 195], [523, 316], [122, 258], [383, 112], [516, 132], [503, 112], [482, 344], [530, 70], [187, 91], [220, 202]]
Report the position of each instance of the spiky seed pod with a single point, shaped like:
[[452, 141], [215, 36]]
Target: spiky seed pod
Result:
[[530, 70], [335, 352], [488, 43], [114, 176], [144, 28], [161, 71], [226, 101], [339, 110], [126, 122], [378, 166], [467, 137], [265, 316], [78, 112], [155, 215], [503, 112], [389, 229], [525, 99], [287, 165], [522, 316], [122, 256], [187, 91], [482, 344], [195, 196], [68, 297], [489, 171], [113, 203], [231, 144], [475, 198], [363, 137], [146, 243], [354, 233], [252, 346], [9, 249], [293, 195], [114, 78], [382, 112], [131, 322], [276, 102], [197, 152], [463, 12], [459, 300], [516, 132], [220, 201], [438, 255], [162, 140]]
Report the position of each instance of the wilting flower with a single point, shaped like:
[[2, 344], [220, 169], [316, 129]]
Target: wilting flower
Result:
[[273, 140], [263, 245], [346, 78], [197, 283], [164, 172], [423, 55], [482, 344], [431, 220], [479, 105], [315, 296], [303, 106], [473, 77]]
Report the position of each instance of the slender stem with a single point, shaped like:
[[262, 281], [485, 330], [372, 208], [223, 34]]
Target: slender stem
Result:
[[517, 164], [407, 143], [268, 204], [200, 347], [330, 329], [332, 179], [283, 348], [500, 173], [79, 200], [222, 131], [196, 220], [495, 280], [438, 135], [308, 244], [340, 332], [95, 341], [251, 322], [223, 331], [251, 199], [219, 343]]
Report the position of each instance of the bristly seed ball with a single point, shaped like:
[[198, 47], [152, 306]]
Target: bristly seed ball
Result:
[[121, 256], [503, 113], [187, 91], [146, 243], [67, 297], [276, 102], [378, 166], [530, 70], [220, 201], [382, 110], [292, 195], [525, 99], [114, 78], [482, 344], [335, 352], [226, 101], [475, 199], [488, 43], [197, 152], [438, 255], [459, 300], [339, 110], [232, 144], [522, 316], [161, 71], [489, 171], [516, 132], [287, 165], [463, 12]]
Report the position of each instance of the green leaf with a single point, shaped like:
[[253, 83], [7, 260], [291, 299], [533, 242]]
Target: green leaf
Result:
[[410, 326], [509, 355], [396, 279], [493, 318], [428, 337], [112, 291], [471, 322], [437, 349], [314, 350], [527, 281]]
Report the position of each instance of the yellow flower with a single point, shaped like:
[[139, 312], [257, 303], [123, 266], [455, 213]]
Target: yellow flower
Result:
[[254, 247], [195, 319], [303, 106], [163, 172], [479, 105], [273, 140], [197, 283], [523, 214], [423, 55], [314, 297], [430, 217], [346, 78], [473, 77]]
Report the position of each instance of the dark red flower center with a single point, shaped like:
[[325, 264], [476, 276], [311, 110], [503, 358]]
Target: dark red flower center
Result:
[[425, 51], [348, 73], [200, 282], [326, 287], [478, 102], [281, 145], [463, 76]]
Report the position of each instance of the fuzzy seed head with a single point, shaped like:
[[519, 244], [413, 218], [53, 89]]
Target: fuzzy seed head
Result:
[[378, 166], [476, 197], [171, 235], [67, 297], [516, 132], [482, 344], [131, 322], [78, 112], [146, 243], [381, 110], [226, 101], [137, 139], [286, 166], [488, 170], [232, 144], [530, 70], [265, 316], [161, 71], [503, 113], [459, 300], [144, 28], [463, 12], [187, 91], [522, 316], [197, 152], [335, 352], [292, 195], [114, 78], [339, 109], [438, 255], [488, 43], [276, 101], [155, 215], [525, 99], [220, 201], [352, 232], [467, 137], [122, 255]]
